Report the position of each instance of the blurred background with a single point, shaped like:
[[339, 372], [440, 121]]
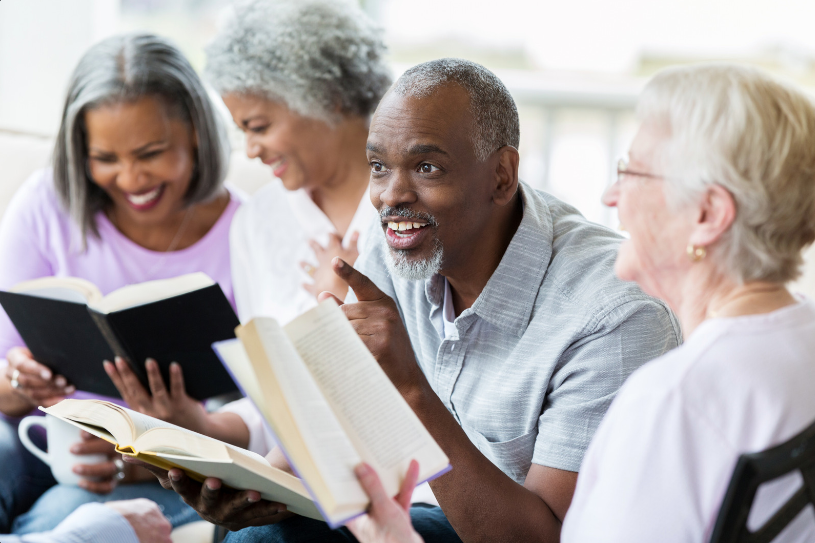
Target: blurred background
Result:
[[574, 67]]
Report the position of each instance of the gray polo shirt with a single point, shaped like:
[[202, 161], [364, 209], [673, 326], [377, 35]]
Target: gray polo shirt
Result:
[[545, 347]]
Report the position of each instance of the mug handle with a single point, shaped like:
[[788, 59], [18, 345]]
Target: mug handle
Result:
[[22, 430]]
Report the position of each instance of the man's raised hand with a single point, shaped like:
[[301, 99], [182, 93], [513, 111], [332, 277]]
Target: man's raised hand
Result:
[[376, 320]]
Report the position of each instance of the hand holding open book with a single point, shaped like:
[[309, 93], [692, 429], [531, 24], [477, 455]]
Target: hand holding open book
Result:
[[327, 401]]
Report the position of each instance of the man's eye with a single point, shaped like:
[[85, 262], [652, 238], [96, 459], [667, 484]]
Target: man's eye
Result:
[[377, 167], [427, 168], [259, 129]]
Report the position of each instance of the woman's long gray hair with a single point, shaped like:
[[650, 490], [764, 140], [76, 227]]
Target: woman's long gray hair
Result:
[[123, 69]]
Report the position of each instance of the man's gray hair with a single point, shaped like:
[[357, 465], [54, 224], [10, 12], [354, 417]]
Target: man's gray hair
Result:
[[495, 114], [739, 128], [123, 69], [320, 58]]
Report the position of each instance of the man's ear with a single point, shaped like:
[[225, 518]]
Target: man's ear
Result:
[[506, 175], [716, 213]]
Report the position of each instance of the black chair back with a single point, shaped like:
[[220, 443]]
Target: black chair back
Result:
[[756, 468]]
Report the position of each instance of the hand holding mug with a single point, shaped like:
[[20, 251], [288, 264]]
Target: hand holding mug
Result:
[[75, 457], [99, 477]]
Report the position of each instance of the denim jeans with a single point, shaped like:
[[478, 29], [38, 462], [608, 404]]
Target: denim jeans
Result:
[[31, 500], [23, 477], [428, 520]]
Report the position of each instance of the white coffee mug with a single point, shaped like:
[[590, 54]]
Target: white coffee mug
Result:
[[61, 436]]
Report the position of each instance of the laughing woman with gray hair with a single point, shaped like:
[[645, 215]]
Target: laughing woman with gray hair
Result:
[[135, 194], [718, 195]]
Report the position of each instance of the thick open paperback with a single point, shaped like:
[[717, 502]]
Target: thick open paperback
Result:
[[330, 406], [71, 328], [168, 446]]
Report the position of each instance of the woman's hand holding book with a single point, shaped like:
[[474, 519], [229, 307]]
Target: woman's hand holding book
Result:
[[33, 384], [173, 405]]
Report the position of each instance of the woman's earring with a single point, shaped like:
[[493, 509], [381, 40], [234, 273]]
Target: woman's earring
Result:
[[696, 253]]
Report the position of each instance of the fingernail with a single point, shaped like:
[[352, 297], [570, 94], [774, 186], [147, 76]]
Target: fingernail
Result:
[[45, 374], [362, 470], [70, 390], [340, 262], [60, 381], [282, 509], [107, 365], [251, 499], [212, 486], [75, 449], [76, 469], [174, 475]]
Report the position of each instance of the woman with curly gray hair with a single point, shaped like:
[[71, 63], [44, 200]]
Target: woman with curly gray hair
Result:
[[301, 79]]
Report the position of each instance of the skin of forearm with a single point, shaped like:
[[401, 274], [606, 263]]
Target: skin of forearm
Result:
[[479, 500], [227, 427], [13, 404]]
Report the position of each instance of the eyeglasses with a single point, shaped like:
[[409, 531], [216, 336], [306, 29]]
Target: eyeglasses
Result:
[[622, 169]]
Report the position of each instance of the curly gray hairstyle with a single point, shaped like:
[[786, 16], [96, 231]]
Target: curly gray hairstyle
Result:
[[737, 127], [494, 111], [318, 57], [124, 69]]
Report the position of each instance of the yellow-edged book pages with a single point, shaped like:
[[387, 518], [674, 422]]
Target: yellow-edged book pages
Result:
[[167, 446], [330, 406]]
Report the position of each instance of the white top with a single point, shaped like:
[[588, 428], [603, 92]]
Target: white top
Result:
[[90, 523], [661, 460], [268, 240]]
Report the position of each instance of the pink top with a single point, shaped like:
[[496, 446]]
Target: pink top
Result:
[[39, 239]]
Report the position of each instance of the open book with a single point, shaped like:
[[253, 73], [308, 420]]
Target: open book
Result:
[[70, 327], [168, 446], [330, 406]]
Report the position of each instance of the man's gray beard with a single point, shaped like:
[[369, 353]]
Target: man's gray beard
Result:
[[413, 270]]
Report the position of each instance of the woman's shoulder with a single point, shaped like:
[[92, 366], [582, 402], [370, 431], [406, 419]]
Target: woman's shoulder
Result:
[[268, 209], [36, 199]]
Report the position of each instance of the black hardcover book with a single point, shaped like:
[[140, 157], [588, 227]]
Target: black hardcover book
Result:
[[73, 338]]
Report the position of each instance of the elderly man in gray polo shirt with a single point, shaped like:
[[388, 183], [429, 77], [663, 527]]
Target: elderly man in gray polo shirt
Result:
[[493, 307]]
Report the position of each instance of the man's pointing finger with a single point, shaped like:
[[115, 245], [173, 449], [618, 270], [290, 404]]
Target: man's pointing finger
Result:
[[364, 289]]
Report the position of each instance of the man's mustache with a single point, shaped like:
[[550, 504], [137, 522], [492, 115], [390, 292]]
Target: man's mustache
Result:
[[407, 214]]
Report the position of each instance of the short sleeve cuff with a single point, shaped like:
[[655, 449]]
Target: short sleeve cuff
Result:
[[260, 440]]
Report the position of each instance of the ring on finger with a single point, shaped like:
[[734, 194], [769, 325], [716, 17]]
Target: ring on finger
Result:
[[120, 469], [15, 376], [309, 269]]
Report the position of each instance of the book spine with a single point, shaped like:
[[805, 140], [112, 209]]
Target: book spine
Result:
[[110, 336]]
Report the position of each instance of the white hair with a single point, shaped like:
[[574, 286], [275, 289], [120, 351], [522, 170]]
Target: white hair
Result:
[[318, 57], [737, 127], [413, 270], [495, 115]]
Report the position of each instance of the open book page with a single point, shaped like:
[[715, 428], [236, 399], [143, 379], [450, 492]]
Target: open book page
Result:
[[151, 291], [234, 357], [67, 289], [329, 447], [98, 413], [137, 432], [379, 422]]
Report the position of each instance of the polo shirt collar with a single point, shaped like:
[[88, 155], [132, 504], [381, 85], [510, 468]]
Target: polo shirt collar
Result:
[[509, 296]]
